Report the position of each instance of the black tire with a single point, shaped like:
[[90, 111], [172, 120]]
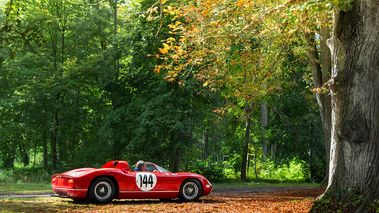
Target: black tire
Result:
[[190, 190], [102, 190]]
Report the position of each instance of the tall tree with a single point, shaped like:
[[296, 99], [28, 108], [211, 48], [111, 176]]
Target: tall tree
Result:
[[354, 76], [354, 87], [55, 63], [217, 47], [320, 65]]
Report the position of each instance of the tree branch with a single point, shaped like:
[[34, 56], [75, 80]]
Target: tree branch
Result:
[[278, 8]]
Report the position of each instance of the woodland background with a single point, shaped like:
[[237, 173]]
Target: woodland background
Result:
[[81, 83]]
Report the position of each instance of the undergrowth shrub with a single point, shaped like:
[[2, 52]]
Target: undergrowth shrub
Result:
[[25, 175], [329, 203], [295, 170], [214, 172], [229, 172]]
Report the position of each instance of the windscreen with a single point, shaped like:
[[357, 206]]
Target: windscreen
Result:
[[162, 169]]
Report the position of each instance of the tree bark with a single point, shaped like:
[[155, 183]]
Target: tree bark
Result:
[[175, 157], [24, 155], [8, 161], [44, 148], [190, 130], [325, 99], [206, 141], [321, 69], [54, 141], [264, 119], [178, 152], [354, 84], [248, 109]]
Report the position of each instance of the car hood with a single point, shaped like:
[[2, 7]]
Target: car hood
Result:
[[189, 174]]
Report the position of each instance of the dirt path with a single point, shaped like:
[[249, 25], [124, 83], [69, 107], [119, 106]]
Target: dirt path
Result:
[[219, 190], [25, 195], [256, 190]]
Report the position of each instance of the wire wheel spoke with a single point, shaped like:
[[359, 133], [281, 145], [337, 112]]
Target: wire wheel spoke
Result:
[[103, 190], [190, 190]]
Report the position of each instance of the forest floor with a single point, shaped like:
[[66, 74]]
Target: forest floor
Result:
[[273, 199]]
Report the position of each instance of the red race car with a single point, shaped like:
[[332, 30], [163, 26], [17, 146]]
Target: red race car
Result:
[[115, 181]]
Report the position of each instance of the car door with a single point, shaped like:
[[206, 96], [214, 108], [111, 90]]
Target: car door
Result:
[[168, 180], [148, 183]]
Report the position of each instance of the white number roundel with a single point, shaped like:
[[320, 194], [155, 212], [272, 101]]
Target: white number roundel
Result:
[[146, 181]]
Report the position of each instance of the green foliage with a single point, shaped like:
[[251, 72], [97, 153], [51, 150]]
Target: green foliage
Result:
[[77, 87], [295, 127], [351, 203], [344, 5], [212, 171], [233, 165], [25, 175], [295, 170], [374, 206]]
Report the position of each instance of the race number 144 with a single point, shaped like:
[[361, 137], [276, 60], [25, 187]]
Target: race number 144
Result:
[[146, 181]]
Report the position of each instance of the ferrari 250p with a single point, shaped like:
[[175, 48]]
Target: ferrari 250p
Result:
[[115, 181]]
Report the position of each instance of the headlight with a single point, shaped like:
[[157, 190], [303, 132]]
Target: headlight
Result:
[[209, 185]]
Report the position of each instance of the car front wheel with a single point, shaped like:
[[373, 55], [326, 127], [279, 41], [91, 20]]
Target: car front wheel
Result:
[[102, 190], [191, 190]]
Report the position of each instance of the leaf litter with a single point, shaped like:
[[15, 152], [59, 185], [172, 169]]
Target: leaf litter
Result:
[[294, 200]]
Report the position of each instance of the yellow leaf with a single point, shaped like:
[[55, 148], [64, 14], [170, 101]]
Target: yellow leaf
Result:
[[171, 39]]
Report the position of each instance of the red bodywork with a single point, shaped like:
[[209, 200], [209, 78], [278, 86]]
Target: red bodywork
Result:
[[129, 184]]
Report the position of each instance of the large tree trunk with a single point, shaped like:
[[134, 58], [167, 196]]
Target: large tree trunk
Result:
[[325, 100], [354, 84]]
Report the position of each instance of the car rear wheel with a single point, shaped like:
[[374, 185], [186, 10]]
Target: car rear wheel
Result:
[[191, 190], [102, 190]]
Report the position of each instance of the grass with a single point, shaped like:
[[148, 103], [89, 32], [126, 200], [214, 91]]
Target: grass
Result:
[[25, 188]]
